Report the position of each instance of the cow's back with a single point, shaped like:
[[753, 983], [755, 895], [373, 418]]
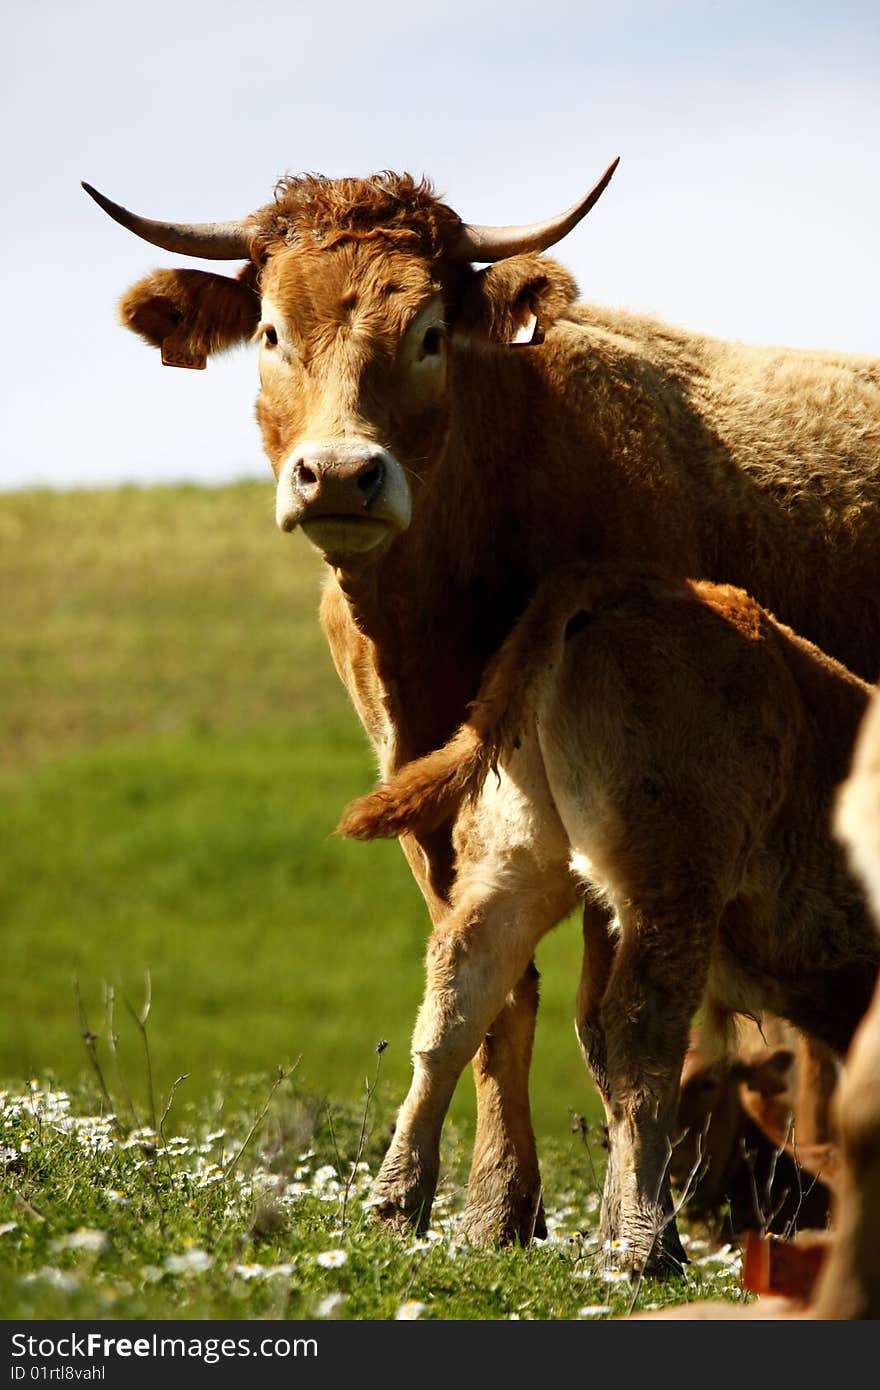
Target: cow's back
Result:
[[754, 466]]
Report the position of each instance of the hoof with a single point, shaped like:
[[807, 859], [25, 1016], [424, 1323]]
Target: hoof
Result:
[[499, 1213], [398, 1219], [404, 1208], [652, 1259]]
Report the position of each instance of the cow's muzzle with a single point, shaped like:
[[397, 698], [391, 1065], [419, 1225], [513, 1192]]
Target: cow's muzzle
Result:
[[348, 495]]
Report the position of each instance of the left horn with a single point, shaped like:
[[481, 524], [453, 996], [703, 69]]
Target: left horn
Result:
[[214, 241], [497, 243]]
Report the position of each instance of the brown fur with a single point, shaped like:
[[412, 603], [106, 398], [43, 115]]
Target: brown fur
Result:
[[396, 207], [611, 436], [684, 747], [848, 1286], [207, 312]]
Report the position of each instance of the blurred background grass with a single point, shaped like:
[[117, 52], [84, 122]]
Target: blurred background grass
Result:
[[176, 749]]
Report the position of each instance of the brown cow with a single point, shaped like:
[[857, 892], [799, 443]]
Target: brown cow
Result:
[[668, 750], [443, 471], [754, 1150]]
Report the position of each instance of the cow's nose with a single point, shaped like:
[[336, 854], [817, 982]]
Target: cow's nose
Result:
[[338, 477]]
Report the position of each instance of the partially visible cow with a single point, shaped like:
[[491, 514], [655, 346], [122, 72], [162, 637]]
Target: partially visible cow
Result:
[[753, 1149], [669, 751], [446, 435], [848, 1284]]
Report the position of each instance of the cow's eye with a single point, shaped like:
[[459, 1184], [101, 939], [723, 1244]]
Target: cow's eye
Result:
[[270, 337], [432, 341]]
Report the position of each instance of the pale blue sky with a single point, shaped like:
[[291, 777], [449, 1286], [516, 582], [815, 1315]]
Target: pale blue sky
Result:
[[747, 202]]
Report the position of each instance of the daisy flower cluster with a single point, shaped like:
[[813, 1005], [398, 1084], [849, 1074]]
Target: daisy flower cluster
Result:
[[314, 1212]]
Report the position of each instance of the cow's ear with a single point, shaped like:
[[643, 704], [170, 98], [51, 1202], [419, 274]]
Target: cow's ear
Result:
[[516, 300], [190, 314]]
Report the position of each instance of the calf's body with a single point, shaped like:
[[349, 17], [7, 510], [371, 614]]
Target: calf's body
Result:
[[667, 753]]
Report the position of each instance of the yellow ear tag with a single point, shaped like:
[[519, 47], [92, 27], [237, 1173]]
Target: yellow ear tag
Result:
[[177, 354]]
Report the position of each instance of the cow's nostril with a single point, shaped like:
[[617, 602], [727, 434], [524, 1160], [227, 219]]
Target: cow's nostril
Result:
[[371, 480], [304, 478]]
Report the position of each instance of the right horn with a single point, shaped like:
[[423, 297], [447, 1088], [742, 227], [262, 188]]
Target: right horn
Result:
[[497, 243], [213, 241]]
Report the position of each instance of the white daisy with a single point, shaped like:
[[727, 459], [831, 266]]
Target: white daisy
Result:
[[329, 1305], [83, 1239], [332, 1259], [193, 1262], [410, 1311]]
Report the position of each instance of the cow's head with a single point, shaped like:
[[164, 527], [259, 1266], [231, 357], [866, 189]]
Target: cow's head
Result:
[[358, 292], [716, 1098]]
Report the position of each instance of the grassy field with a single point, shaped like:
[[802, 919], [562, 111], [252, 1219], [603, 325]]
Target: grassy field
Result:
[[176, 749]]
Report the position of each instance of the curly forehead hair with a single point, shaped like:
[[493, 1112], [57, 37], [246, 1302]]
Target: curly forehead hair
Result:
[[325, 211]]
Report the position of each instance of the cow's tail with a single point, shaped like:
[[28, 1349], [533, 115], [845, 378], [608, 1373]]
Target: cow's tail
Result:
[[423, 794]]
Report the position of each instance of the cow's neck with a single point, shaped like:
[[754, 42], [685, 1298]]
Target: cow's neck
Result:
[[410, 638], [423, 631], [430, 614]]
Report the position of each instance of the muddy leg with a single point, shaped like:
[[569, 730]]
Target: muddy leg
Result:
[[655, 986]]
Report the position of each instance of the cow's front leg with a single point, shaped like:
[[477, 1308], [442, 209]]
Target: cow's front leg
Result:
[[656, 984], [504, 1190], [474, 960]]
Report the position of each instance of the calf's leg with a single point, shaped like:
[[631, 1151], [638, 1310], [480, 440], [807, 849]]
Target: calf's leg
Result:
[[655, 985], [475, 959], [504, 1190]]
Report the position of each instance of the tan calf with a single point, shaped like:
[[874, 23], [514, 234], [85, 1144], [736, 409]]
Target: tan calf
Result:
[[666, 752]]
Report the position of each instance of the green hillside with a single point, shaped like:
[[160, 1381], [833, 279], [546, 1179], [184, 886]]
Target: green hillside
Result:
[[175, 749]]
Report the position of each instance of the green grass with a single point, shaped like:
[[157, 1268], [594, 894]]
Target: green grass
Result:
[[162, 611], [209, 860], [104, 1220]]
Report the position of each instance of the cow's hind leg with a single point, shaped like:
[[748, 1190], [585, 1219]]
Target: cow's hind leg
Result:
[[655, 986], [504, 1190], [595, 973], [475, 959]]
